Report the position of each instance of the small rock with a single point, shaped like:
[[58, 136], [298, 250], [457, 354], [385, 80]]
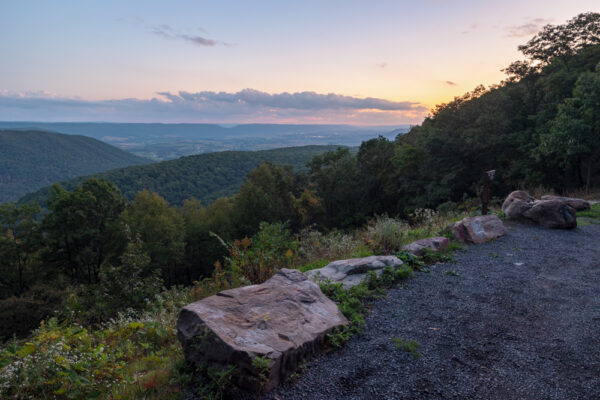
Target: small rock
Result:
[[479, 229], [434, 244], [351, 272]]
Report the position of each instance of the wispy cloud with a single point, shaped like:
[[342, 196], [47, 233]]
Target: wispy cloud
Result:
[[168, 32], [247, 105], [530, 27], [450, 83], [470, 29]]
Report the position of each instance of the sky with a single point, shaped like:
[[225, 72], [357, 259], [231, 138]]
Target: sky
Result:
[[353, 62]]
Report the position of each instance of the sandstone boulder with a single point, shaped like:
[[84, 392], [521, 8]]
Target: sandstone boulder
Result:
[[516, 203], [577, 204], [552, 214], [284, 319], [550, 211], [434, 244], [479, 229], [351, 272]]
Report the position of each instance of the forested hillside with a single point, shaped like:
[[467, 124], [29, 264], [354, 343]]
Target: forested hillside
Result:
[[30, 160], [205, 177]]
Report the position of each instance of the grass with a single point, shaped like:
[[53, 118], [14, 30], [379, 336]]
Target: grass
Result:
[[410, 346], [593, 213]]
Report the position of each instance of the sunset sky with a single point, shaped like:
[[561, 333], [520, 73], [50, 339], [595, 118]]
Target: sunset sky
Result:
[[355, 62]]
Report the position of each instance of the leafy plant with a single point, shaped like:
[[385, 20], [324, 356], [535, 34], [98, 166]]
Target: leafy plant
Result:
[[410, 346]]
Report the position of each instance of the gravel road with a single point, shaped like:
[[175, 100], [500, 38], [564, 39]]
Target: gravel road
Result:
[[522, 321]]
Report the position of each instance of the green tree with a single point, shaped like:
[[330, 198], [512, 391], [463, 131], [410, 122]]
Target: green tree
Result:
[[161, 229], [336, 178], [575, 132], [563, 40], [19, 247], [267, 195], [82, 229]]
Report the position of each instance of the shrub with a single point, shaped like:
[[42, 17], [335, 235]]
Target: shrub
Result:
[[385, 235], [314, 245]]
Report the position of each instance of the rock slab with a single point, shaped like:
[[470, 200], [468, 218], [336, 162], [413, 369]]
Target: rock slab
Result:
[[479, 229], [285, 319], [551, 211], [352, 271], [577, 204], [435, 244]]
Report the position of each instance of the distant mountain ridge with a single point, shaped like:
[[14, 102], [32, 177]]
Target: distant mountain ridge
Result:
[[30, 160], [159, 141], [205, 177]]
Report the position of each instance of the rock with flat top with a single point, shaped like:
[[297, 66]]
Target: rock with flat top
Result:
[[352, 271], [577, 204], [284, 320], [479, 229], [435, 244]]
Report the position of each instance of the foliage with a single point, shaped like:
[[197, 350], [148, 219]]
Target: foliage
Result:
[[131, 356], [593, 212], [161, 229], [205, 177], [82, 229], [315, 245], [19, 247], [270, 249], [30, 160], [410, 346], [574, 134], [353, 301], [262, 367]]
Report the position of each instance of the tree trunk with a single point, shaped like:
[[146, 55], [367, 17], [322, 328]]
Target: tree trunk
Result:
[[588, 177]]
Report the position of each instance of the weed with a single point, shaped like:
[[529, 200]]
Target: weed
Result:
[[314, 265], [452, 272], [593, 212], [262, 366], [352, 302], [431, 257], [410, 346]]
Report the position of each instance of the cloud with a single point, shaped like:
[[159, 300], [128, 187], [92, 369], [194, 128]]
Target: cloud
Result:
[[528, 28], [470, 29], [450, 83], [166, 31], [383, 65], [247, 105]]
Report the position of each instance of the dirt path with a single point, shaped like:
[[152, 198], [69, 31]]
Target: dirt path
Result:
[[522, 321]]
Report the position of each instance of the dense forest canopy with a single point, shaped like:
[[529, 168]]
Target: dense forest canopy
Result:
[[205, 177], [30, 160], [540, 127]]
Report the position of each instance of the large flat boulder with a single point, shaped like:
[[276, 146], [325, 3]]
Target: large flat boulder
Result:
[[435, 244], [554, 214], [577, 204], [479, 229], [353, 271], [285, 319], [550, 211]]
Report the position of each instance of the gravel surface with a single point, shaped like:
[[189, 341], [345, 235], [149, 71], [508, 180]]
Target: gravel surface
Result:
[[522, 321]]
